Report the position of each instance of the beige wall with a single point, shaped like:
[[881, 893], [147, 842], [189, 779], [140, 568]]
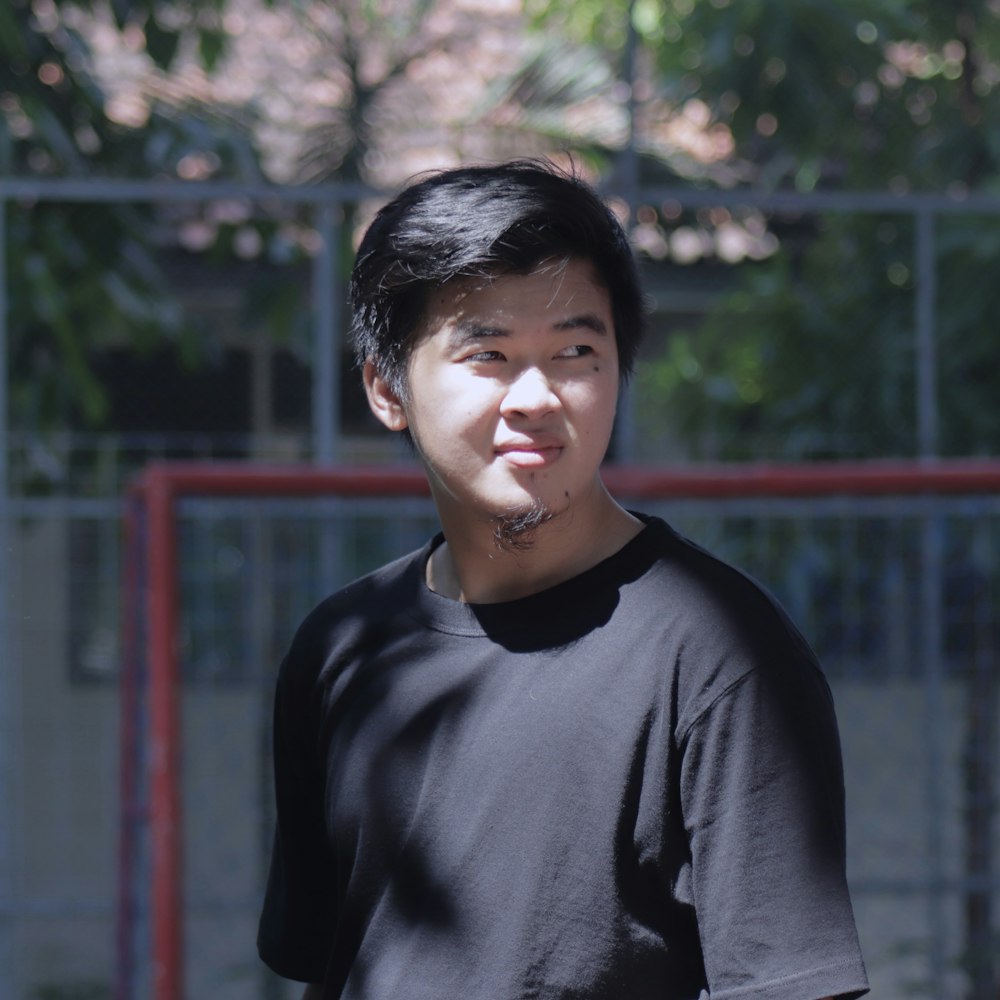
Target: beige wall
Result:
[[64, 820]]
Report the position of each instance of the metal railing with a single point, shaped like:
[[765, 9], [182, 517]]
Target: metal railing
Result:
[[34, 528]]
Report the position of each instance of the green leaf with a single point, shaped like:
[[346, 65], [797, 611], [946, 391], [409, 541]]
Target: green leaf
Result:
[[211, 45], [12, 41], [161, 43]]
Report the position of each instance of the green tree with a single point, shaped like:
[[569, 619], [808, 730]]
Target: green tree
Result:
[[812, 353], [809, 352], [81, 277], [348, 110]]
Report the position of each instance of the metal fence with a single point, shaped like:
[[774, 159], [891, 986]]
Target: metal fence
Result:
[[901, 600], [900, 595]]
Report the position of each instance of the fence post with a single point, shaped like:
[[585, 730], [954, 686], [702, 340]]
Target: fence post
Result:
[[931, 633], [164, 722], [326, 339], [931, 590], [9, 671], [926, 340], [628, 184]]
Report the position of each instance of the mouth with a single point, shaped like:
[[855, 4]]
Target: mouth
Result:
[[530, 454]]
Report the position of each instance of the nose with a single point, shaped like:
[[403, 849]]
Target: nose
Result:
[[529, 395]]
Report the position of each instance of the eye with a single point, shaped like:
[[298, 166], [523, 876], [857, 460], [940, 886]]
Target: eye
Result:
[[576, 351], [483, 356]]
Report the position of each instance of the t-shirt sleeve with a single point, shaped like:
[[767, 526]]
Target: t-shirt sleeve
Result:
[[296, 926], [763, 803]]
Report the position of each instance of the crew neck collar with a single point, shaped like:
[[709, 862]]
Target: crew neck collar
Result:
[[547, 610]]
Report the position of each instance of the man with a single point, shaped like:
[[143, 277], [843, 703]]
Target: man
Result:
[[560, 752]]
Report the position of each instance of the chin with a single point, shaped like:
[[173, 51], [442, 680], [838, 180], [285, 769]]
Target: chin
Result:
[[514, 529]]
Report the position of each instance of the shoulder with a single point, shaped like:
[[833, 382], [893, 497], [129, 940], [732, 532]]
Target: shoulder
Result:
[[350, 616], [706, 595], [721, 627]]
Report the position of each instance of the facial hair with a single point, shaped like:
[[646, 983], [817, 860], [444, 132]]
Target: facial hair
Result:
[[514, 530]]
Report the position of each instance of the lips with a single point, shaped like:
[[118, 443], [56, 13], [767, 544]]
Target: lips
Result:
[[530, 452]]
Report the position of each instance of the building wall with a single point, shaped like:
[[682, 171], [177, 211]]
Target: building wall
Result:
[[903, 753]]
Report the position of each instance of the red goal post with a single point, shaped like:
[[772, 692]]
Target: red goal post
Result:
[[151, 575]]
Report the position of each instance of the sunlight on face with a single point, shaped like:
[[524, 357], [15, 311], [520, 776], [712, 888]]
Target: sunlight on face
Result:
[[513, 384]]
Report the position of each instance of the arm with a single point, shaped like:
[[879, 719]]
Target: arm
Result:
[[762, 793], [297, 919]]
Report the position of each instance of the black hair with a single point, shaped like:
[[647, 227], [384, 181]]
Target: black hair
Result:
[[477, 222]]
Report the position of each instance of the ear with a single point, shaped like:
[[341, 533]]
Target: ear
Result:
[[384, 403]]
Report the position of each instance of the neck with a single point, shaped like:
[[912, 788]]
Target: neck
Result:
[[473, 566]]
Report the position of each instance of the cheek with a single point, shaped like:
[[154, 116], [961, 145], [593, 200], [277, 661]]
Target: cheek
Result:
[[448, 421], [465, 404], [594, 407]]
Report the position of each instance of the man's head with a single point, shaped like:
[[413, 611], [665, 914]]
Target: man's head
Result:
[[480, 222]]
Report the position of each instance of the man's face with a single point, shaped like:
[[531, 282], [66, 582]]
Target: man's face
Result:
[[513, 383]]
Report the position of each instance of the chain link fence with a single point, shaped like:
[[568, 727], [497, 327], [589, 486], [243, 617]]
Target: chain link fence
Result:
[[899, 597], [911, 670]]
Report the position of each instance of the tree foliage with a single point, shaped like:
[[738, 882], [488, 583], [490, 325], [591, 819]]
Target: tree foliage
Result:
[[85, 276], [813, 348], [334, 94], [811, 354]]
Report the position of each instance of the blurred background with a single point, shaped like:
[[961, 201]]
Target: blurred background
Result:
[[813, 189]]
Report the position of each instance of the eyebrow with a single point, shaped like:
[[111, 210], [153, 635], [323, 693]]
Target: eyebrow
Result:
[[468, 330], [585, 321]]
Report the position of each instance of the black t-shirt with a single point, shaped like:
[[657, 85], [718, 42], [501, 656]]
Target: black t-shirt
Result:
[[627, 786]]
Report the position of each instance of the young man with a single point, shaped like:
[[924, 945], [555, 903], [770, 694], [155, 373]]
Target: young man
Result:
[[559, 752]]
